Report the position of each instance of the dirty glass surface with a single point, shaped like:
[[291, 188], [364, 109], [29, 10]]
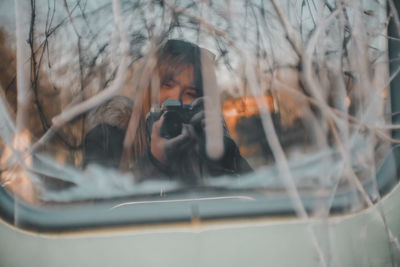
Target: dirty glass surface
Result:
[[298, 90]]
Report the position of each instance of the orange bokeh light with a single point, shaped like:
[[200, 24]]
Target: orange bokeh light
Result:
[[235, 108]]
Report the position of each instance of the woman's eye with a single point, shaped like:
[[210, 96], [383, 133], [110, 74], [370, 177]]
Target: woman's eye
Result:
[[191, 93], [168, 84]]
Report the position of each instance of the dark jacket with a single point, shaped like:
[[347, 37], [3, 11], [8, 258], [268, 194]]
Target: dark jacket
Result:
[[104, 143]]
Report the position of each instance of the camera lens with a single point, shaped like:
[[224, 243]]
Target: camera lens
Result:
[[172, 125]]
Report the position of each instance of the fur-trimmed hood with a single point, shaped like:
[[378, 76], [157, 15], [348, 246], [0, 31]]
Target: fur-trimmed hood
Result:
[[115, 112]]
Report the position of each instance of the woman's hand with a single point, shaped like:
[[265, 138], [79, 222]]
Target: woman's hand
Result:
[[165, 150], [198, 120]]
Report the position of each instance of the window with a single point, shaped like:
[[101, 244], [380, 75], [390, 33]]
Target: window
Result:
[[285, 107]]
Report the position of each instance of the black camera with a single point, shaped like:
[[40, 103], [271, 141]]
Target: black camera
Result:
[[175, 114]]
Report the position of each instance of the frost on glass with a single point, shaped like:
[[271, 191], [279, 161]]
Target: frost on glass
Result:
[[303, 87]]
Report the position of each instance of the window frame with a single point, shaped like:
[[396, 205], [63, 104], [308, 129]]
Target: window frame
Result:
[[203, 206]]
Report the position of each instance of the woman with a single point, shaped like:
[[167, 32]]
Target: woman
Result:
[[152, 154]]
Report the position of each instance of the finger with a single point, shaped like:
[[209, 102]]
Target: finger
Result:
[[197, 102], [157, 148], [198, 117], [190, 129], [185, 137], [157, 126]]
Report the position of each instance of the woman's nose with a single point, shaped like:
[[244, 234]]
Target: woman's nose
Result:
[[174, 93]]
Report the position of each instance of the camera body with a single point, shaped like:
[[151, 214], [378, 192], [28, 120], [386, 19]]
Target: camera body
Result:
[[175, 115]]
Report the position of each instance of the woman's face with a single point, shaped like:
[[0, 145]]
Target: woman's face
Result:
[[181, 87]]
